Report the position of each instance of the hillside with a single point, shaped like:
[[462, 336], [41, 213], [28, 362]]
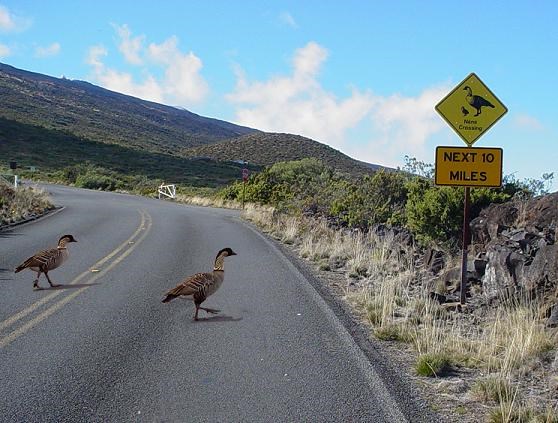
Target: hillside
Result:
[[52, 151], [55, 122], [265, 149], [98, 114]]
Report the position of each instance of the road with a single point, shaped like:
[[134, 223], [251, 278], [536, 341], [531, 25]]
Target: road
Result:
[[104, 348]]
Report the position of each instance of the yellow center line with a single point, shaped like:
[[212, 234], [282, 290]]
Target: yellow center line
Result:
[[56, 306], [21, 314]]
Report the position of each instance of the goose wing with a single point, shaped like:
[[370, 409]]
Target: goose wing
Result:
[[191, 285], [481, 101], [45, 259]]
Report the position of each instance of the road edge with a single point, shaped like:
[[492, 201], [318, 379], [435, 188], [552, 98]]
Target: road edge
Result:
[[363, 348], [33, 219]]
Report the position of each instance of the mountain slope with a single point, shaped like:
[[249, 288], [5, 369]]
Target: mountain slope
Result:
[[264, 149], [101, 115], [52, 152], [78, 120]]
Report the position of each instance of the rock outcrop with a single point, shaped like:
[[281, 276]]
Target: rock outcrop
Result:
[[519, 240], [515, 253]]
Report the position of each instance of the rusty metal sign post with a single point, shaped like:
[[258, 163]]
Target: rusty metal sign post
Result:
[[470, 109]]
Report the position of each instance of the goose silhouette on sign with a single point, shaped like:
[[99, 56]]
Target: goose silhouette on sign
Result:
[[476, 101]]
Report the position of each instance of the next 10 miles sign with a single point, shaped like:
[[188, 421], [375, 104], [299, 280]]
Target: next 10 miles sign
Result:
[[467, 166]]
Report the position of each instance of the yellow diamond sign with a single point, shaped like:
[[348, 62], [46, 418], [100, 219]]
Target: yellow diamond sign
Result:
[[471, 109]]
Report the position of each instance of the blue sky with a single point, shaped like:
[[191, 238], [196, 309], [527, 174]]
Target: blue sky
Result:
[[361, 76]]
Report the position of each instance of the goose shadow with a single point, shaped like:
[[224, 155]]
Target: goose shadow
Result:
[[77, 285], [220, 318], [4, 274], [9, 234]]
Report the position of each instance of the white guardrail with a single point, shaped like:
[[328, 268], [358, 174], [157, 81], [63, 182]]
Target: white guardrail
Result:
[[11, 180], [168, 190]]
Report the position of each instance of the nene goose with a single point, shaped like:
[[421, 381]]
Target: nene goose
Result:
[[476, 100], [202, 285], [47, 260]]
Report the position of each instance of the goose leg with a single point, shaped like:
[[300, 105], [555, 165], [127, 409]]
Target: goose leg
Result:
[[50, 282], [36, 282]]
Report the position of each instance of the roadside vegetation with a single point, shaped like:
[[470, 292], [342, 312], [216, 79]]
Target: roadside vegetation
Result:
[[371, 232], [20, 204]]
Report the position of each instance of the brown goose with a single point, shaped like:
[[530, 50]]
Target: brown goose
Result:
[[47, 260], [202, 285]]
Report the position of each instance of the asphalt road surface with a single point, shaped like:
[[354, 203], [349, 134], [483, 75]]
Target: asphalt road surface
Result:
[[104, 348]]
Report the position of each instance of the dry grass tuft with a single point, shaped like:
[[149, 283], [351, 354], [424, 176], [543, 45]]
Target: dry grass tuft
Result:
[[208, 202], [514, 338], [25, 202], [494, 388]]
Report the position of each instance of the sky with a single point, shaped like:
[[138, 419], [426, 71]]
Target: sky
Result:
[[360, 76]]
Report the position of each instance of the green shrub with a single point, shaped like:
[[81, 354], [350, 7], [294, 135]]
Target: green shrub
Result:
[[435, 214], [379, 198], [95, 181], [432, 364]]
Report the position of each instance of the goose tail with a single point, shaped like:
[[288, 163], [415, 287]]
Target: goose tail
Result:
[[169, 298]]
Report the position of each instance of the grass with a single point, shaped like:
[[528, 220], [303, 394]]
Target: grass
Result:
[[494, 388], [432, 364], [16, 205], [208, 201], [513, 413]]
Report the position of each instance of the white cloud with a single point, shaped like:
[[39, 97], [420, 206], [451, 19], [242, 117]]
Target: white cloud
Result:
[[5, 51], [165, 52], [181, 84], [95, 55], [7, 22], [297, 103], [121, 82], [12, 23], [406, 123], [47, 51], [389, 127], [525, 121], [130, 47], [287, 19]]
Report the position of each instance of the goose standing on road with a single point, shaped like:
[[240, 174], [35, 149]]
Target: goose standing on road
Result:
[[47, 260], [202, 285]]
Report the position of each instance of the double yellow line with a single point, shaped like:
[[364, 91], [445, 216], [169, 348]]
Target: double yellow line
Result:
[[109, 262]]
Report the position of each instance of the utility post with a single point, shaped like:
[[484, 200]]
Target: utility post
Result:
[[13, 168]]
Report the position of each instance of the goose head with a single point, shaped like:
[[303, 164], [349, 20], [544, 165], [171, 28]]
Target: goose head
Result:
[[226, 252], [67, 238], [468, 89]]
